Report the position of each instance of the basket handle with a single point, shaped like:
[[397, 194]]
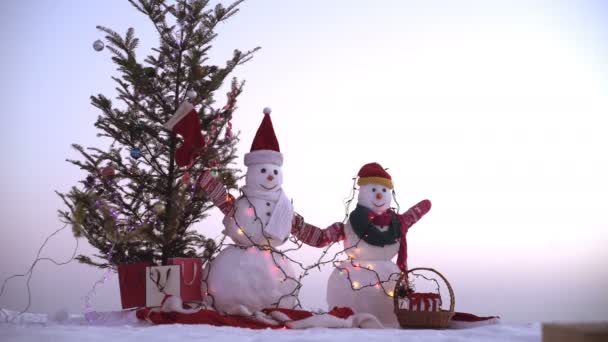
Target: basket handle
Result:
[[404, 274]]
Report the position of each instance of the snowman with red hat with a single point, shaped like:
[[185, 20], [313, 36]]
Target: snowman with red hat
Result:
[[252, 275], [373, 235]]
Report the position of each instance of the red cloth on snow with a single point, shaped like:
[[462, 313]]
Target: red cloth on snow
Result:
[[214, 318]]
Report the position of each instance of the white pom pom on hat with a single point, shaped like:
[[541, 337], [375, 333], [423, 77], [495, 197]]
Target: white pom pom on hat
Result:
[[267, 110], [191, 95]]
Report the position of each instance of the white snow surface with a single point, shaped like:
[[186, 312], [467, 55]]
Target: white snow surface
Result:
[[124, 326]]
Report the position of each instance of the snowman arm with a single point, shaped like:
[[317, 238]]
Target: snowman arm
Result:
[[216, 192], [315, 236], [415, 213]]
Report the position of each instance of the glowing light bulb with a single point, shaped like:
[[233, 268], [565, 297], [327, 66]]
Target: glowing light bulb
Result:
[[391, 294], [240, 231], [377, 286], [250, 211], [370, 266], [355, 284]]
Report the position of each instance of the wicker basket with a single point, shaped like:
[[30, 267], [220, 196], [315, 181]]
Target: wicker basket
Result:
[[423, 319]]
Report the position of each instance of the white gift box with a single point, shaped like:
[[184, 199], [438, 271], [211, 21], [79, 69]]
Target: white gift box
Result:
[[160, 282]]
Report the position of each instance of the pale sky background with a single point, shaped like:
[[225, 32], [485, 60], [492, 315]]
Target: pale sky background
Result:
[[494, 110]]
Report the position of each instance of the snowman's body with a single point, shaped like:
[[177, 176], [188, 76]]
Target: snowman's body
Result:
[[248, 277], [369, 264]]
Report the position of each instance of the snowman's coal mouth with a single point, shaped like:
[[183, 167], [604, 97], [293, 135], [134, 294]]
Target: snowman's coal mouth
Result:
[[378, 206], [268, 188]]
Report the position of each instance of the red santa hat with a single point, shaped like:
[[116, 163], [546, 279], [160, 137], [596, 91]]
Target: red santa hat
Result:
[[374, 173], [265, 146]]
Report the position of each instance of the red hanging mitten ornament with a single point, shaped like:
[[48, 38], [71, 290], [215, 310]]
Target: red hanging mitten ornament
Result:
[[186, 123]]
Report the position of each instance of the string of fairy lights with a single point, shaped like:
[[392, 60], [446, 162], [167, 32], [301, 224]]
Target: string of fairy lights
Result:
[[322, 260]]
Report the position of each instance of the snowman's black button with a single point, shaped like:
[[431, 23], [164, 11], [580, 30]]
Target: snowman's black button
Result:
[[267, 214], [268, 204]]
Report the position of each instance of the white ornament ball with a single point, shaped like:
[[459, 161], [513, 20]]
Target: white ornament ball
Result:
[[98, 45], [191, 94], [267, 110]]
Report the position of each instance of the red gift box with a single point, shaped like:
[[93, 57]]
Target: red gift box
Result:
[[132, 282], [424, 301], [191, 278]]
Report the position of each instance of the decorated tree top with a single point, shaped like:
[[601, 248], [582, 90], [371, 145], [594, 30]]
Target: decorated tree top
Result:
[[136, 203]]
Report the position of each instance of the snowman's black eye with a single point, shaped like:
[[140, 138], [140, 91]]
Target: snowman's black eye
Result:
[[263, 170], [383, 189], [276, 172], [373, 189]]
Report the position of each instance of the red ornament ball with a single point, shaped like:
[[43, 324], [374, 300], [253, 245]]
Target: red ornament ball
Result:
[[186, 178], [108, 172]]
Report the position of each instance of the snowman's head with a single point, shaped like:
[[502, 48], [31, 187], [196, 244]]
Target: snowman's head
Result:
[[264, 177], [376, 197]]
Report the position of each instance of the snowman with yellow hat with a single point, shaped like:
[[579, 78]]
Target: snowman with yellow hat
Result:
[[372, 236]]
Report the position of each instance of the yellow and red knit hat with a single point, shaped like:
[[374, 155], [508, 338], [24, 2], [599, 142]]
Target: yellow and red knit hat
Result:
[[374, 173]]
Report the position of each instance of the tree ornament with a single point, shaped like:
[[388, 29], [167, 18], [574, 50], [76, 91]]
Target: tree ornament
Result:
[[98, 45], [135, 153], [108, 172], [191, 95], [215, 172], [186, 123]]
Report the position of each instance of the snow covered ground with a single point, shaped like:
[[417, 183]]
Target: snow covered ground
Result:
[[124, 326]]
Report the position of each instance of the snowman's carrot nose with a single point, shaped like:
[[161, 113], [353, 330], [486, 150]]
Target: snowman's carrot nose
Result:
[[378, 195], [270, 178]]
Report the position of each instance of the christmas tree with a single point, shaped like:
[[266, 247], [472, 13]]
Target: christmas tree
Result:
[[136, 203]]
